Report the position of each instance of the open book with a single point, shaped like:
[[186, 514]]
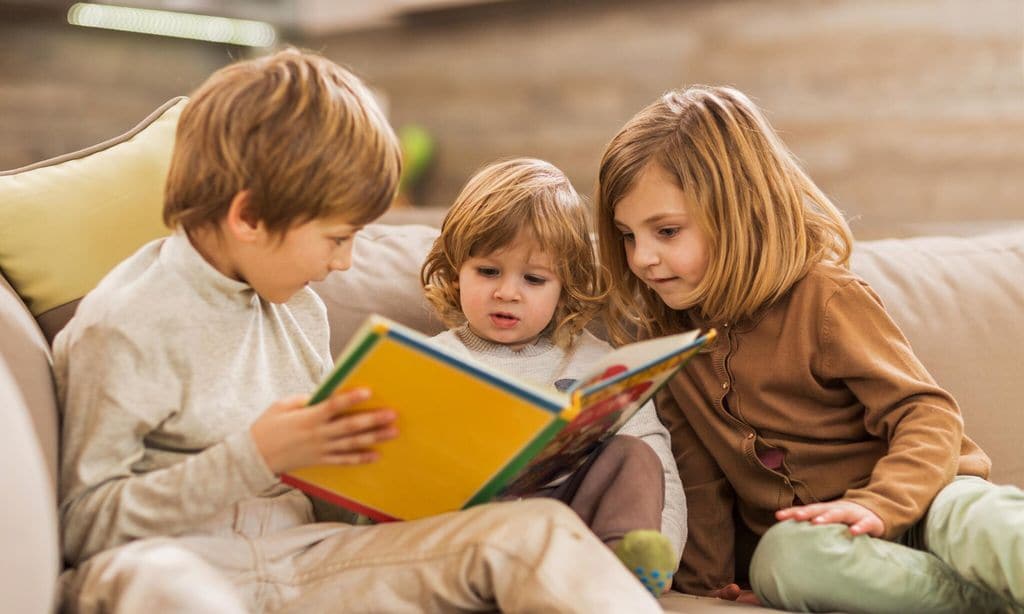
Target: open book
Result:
[[468, 433]]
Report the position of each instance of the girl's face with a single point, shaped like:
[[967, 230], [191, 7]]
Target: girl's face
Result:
[[510, 296], [664, 246]]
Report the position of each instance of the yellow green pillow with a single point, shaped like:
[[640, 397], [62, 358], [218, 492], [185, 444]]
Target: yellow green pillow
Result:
[[65, 222]]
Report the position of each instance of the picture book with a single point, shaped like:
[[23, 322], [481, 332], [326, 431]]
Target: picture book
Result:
[[469, 434]]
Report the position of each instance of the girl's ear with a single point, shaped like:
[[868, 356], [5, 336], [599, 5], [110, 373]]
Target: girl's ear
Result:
[[241, 221]]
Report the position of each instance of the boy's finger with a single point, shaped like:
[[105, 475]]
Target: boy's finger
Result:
[[342, 401], [296, 400], [350, 424], [362, 441], [352, 458]]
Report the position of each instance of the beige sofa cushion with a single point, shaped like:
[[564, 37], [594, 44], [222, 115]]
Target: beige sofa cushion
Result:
[[384, 279], [65, 222], [28, 524], [960, 302], [27, 355]]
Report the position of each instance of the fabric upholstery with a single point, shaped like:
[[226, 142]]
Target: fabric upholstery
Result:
[[65, 222], [27, 355], [28, 525], [956, 299], [384, 279], [960, 302]]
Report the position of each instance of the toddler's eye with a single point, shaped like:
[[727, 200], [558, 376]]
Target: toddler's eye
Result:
[[339, 241], [487, 271], [535, 280]]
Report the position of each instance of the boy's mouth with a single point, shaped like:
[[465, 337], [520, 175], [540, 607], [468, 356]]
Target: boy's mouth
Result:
[[503, 320]]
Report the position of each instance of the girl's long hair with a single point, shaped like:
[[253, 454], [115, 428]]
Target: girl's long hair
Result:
[[765, 221]]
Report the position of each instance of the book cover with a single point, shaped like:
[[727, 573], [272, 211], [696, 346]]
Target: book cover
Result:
[[468, 433]]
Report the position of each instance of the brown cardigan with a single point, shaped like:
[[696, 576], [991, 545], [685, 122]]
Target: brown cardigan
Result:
[[825, 376]]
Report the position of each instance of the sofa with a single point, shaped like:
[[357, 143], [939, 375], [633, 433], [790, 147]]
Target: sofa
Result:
[[65, 222]]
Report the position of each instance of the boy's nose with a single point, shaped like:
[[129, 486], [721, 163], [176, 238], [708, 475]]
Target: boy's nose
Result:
[[341, 263]]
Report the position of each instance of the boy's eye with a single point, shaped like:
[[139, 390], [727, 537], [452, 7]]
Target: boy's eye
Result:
[[535, 280], [487, 271], [339, 241]]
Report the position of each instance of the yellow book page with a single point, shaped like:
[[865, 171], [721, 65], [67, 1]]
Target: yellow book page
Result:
[[455, 433]]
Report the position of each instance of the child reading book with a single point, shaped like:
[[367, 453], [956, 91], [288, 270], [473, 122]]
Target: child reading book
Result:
[[810, 433], [513, 271], [170, 496]]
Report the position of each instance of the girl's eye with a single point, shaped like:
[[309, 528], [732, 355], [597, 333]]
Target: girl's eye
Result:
[[487, 271], [627, 236], [535, 280], [669, 231]]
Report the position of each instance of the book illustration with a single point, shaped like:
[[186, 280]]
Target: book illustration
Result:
[[470, 434]]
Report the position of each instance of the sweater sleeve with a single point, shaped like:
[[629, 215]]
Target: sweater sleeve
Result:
[[921, 422], [709, 556], [114, 393], [646, 426]]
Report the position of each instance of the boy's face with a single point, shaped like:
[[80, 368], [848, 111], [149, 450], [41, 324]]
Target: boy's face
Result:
[[664, 246], [278, 267], [510, 296]]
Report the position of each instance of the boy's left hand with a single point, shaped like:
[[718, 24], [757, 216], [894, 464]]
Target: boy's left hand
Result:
[[860, 519]]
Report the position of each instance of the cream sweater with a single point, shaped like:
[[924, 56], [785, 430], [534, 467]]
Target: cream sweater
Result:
[[160, 374], [543, 363]]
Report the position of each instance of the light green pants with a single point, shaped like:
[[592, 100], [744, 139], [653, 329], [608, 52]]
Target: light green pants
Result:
[[966, 555]]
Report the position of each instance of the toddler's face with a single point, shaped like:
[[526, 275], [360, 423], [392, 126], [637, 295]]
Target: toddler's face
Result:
[[664, 246], [510, 296]]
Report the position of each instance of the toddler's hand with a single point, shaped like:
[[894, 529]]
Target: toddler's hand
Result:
[[860, 519], [291, 434]]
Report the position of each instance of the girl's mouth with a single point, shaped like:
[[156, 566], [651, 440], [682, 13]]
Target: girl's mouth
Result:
[[504, 320]]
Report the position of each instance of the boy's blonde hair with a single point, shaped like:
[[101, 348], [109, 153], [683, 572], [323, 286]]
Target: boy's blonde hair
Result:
[[765, 221], [498, 203], [302, 134]]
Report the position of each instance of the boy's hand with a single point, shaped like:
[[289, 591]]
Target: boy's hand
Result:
[[860, 519], [291, 434], [732, 592]]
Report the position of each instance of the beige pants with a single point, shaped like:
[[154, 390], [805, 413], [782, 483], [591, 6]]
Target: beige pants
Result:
[[524, 556]]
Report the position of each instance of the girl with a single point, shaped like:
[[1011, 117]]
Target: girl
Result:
[[513, 272], [811, 408]]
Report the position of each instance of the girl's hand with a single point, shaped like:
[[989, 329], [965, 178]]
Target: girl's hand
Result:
[[290, 434], [732, 592], [860, 519]]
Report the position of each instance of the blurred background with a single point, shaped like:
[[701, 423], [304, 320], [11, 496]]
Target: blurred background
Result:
[[908, 113]]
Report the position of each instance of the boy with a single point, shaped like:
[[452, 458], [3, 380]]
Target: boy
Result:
[[170, 499]]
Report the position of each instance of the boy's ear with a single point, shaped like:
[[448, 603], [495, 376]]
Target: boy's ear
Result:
[[241, 221]]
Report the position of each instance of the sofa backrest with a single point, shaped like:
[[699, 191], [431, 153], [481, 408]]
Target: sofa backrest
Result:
[[956, 299], [28, 525], [960, 302]]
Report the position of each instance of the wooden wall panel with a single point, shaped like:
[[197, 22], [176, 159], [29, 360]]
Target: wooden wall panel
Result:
[[905, 112]]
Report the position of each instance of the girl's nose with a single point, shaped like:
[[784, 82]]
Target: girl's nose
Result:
[[507, 290], [644, 254]]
